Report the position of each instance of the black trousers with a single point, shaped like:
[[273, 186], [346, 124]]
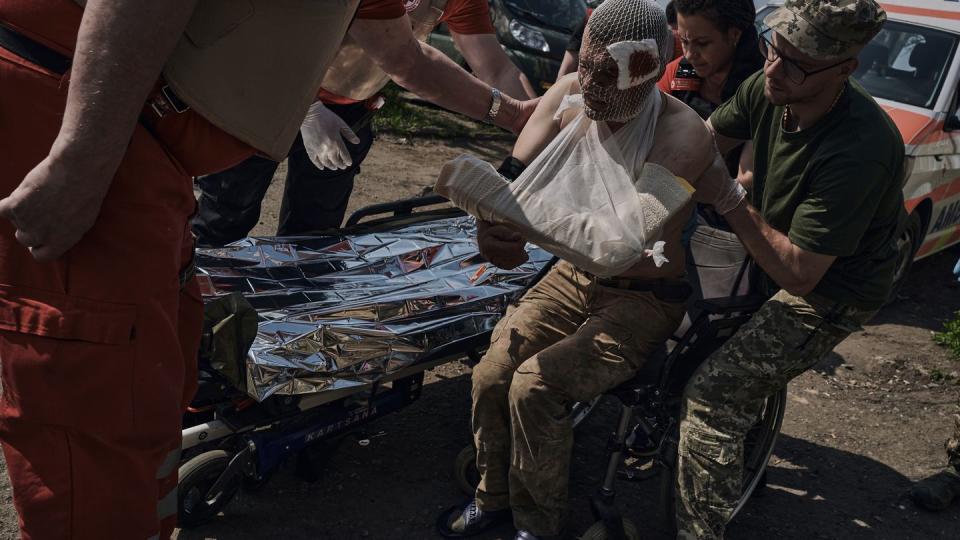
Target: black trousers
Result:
[[313, 200]]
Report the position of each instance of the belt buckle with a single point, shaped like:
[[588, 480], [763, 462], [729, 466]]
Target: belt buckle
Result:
[[175, 102], [166, 101]]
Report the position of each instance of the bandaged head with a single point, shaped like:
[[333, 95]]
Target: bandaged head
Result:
[[625, 50]]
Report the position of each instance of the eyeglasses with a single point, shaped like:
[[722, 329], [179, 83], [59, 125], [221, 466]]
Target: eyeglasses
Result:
[[791, 69]]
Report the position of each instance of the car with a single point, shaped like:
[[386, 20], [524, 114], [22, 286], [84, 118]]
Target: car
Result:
[[533, 32], [912, 70]]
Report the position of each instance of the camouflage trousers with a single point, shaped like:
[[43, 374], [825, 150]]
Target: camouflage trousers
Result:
[[567, 340], [723, 400]]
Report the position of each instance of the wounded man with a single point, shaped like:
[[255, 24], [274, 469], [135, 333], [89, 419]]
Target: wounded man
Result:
[[575, 334]]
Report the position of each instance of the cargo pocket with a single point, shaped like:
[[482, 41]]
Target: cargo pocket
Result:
[[503, 326], [709, 468], [66, 361]]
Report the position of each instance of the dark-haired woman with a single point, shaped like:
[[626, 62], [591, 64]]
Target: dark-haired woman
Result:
[[720, 51]]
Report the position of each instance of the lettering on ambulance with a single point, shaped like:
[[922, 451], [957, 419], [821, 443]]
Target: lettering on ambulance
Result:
[[948, 217]]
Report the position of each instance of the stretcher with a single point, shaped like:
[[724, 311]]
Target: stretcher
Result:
[[345, 325]]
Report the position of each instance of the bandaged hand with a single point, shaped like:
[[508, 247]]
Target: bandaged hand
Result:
[[501, 245], [716, 188], [323, 137]]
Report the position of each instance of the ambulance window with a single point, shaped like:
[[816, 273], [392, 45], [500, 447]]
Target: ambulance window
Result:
[[906, 63]]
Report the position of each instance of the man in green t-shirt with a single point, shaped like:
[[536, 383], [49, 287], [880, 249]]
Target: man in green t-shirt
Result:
[[821, 222]]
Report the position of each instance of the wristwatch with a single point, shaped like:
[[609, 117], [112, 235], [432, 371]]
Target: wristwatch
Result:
[[494, 107]]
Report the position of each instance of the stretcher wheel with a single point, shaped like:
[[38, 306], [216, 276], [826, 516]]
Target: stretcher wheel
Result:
[[598, 531], [196, 505], [465, 471]]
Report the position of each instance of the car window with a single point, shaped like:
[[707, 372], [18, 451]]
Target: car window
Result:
[[904, 62]]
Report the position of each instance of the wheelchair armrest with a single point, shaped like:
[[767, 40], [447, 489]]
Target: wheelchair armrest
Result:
[[722, 306]]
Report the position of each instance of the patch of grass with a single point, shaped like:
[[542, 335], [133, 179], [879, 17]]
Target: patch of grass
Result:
[[950, 336], [938, 376], [408, 119]]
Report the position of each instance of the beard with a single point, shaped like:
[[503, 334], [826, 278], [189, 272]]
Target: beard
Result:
[[777, 95]]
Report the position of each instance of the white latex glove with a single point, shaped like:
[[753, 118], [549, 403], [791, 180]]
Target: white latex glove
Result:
[[323, 134]]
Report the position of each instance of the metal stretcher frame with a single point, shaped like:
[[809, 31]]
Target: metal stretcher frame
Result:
[[214, 430]]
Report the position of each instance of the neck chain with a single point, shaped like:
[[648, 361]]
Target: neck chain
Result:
[[788, 115]]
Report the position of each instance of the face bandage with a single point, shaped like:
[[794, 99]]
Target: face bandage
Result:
[[635, 35], [637, 62]]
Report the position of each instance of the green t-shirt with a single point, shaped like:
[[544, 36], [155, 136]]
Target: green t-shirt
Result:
[[833, 188]]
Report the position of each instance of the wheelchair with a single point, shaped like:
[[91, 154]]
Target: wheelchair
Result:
[[643, 445]]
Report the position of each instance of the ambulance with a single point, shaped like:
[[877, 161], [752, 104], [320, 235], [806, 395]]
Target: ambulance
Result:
[[911, 68]]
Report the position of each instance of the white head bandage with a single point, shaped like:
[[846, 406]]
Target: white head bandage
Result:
[[637, 61], [635, 35]]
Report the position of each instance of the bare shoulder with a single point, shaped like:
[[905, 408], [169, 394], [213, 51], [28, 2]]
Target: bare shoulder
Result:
[[682, 142], [567, 85]]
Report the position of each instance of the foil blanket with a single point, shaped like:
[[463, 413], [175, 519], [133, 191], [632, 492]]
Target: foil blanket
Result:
[[336, 312]]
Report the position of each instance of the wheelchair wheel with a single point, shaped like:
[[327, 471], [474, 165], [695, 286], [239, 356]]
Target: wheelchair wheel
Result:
[[465, 472], [195, 504], [598, 531], [756, 452]]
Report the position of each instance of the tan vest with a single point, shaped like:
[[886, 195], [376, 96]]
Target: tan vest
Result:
[[253, 67], [354, 75]]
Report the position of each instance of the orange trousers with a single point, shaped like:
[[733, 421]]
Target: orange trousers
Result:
[[97, 349]]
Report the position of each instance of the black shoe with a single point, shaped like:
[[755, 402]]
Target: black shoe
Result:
[[470, 520], [527, 535], [936, 492]]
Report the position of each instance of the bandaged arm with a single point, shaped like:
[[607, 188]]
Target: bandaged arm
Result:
[[718, 189]]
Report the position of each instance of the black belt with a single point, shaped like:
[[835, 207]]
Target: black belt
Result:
[[32, 51], [668, 290], [162, 102]]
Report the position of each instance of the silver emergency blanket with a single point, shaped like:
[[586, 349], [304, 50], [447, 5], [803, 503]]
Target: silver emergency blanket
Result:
[[337, 312]]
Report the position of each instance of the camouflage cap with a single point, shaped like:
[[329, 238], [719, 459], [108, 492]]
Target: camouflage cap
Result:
[[827, 29]]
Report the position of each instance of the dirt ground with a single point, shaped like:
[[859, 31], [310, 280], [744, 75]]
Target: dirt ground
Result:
[[859, 428]]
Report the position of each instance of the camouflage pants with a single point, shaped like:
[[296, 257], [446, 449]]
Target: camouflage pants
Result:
[[567, 340], [953, 443], [786, 337]]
